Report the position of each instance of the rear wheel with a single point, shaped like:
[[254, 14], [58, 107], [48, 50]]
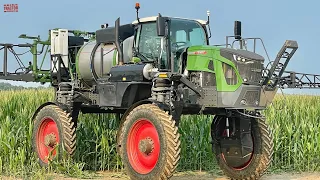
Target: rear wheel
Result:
[[150, 144], [256, 163], [53, 132]]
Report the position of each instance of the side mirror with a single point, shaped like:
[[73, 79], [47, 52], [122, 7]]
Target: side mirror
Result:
[[161, 25], [237, 29]]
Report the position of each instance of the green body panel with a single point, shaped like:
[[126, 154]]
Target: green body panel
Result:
[[199, 58], [199, 62], [220, 77]]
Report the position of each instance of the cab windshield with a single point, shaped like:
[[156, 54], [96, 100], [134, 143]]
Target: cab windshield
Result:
[[148, 41], [183, 34], [186, 33]]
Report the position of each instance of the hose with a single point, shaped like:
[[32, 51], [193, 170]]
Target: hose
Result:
[[94, 74], [248, 115]]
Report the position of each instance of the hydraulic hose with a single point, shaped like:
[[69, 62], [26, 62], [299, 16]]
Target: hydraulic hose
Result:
[[93, 71]]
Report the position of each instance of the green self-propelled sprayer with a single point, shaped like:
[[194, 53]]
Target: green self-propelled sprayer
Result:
[[150, 73]]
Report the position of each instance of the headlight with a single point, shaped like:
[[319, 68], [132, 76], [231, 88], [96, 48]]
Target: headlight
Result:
[[239, 58]]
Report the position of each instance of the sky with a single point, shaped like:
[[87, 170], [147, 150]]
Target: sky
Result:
[[274, 21]]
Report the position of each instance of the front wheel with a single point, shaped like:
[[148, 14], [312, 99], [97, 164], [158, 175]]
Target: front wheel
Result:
[[256, 162], [54, 131], [150, 144]]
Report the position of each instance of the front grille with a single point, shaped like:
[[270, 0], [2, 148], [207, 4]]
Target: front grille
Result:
[[251, 97], [250, 70]]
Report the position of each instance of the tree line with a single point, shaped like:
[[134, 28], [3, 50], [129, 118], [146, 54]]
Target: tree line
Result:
[[8, 86]]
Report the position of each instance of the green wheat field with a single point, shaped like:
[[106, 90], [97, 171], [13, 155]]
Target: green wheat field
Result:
[[294, 121]]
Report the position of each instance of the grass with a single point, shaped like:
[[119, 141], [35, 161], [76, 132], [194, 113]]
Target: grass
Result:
[[294, 120]]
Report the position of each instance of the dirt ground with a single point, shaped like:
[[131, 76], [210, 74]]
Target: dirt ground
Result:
[[207, 176], [194, 176]]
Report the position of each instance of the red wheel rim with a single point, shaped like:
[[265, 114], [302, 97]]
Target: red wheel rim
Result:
[[47, 138], [243, 166], [143, 146]]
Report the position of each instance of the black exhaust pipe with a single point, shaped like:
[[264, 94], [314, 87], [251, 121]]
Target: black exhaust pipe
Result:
[[119, 47]]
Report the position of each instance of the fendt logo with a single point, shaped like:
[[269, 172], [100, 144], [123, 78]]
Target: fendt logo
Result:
[[10, 8]]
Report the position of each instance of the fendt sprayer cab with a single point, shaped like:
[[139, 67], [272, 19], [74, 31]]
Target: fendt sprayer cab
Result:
[[181, 33], [150, 73]]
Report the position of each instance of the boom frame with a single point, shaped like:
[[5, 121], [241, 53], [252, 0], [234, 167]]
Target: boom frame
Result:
[[293, 79], [31, 72]]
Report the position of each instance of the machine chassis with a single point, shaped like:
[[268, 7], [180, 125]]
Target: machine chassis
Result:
[[149, 98]]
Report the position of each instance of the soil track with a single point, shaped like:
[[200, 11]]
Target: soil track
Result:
[[204, 176]]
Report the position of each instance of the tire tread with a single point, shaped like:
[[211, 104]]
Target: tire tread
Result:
[[172, 138]]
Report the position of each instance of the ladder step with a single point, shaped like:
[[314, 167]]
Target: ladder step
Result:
[[280, 66]]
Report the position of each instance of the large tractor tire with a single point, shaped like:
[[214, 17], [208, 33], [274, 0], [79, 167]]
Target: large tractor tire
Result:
[[150, 143], [254, 166], [52, 127]]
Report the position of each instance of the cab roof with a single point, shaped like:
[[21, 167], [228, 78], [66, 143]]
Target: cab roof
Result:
[[154, 18]]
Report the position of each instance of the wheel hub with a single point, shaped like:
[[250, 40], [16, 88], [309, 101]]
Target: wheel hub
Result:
[[146, 146], [143, 146], [50, 140], [47, 138]]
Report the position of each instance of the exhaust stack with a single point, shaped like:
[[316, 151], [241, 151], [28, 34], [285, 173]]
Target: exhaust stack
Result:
[[119, 47]]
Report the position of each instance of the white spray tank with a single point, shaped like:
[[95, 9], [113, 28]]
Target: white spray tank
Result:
[[102, 52]]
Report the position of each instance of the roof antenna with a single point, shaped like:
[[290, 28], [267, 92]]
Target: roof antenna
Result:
[[137, 8], [208, 15]]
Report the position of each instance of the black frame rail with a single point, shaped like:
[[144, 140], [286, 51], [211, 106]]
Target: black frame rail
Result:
[[25, 75], [292, 79]]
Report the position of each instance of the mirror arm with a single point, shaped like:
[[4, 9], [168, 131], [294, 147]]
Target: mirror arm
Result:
[[208, 23], [209, 31], [168, 45]]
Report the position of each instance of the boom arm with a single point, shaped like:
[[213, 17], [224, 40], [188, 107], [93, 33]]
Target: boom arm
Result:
[[31, 72], [292, 79]]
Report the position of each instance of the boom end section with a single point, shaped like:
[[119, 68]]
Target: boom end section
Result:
[[291, 44]]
